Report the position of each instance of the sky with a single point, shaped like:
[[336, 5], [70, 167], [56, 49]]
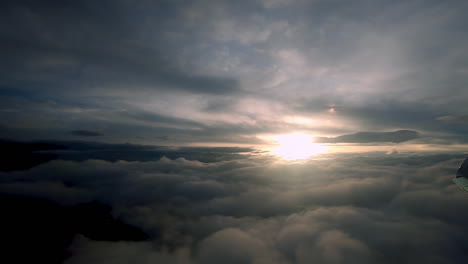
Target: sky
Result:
[[261, 131], [232, 72]]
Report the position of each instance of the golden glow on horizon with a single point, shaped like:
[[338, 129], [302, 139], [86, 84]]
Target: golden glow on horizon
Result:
[[297, 147]]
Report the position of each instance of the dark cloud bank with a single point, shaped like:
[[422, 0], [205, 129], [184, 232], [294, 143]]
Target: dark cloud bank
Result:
[[86, 133], [371, 137], [366, 208]]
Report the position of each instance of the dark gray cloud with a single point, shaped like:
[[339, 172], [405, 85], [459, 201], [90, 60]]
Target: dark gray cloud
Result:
[[368, 137], [25, 155], [451, 118], [86, 133], [86, 45]]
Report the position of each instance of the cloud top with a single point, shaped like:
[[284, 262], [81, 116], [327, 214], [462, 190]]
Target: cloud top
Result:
[[352, 207]]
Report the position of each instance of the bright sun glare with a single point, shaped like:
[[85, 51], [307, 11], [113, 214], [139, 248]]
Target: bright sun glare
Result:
[[297, 147]]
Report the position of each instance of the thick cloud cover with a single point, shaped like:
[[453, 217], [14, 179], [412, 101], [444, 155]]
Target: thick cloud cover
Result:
[[341, 208], [182, 72]]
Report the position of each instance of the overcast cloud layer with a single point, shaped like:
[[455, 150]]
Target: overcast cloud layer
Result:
[[167, 72]]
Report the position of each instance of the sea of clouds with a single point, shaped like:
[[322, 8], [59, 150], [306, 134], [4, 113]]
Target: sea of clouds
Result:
[[339, 208]]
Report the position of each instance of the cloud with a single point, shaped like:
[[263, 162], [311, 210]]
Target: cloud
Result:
[[96, 57], [224, 73], [191, 73], [369, 137], [342, 208], [25, 155], [86, 133], [452, 118], [93, 252], [234, 246]]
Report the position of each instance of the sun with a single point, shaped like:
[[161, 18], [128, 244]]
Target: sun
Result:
[[297, 147]]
